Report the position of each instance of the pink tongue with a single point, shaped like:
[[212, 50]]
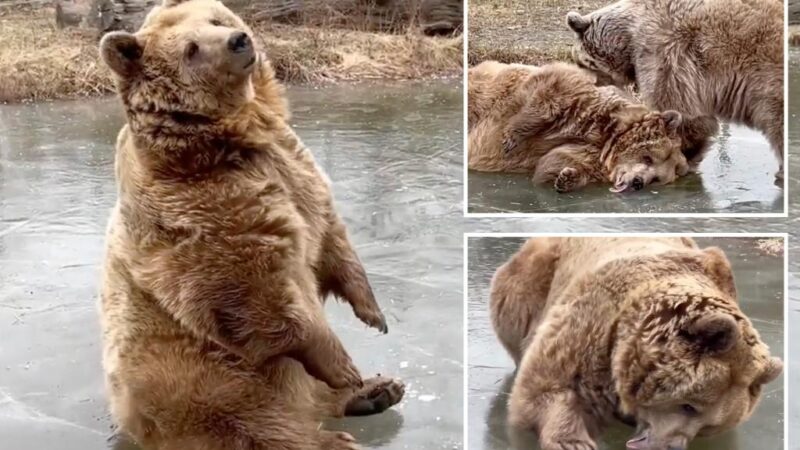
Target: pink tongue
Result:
[[637, 443]]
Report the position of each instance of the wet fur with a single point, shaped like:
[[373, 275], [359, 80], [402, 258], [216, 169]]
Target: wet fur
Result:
[[221, 249], [555, 122], [704, 58], [604, 327]]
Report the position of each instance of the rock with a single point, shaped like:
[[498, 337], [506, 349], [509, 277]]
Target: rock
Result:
[[121, 14], [440, 17], [72, 13]]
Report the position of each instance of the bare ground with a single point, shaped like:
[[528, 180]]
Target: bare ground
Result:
[[522, 31], [38, 61]]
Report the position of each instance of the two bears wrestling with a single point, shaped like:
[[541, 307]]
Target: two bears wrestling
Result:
[[694, 62]]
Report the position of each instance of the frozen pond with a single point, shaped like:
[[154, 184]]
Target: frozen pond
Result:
[[714, 225], [759, 280], [393, 154], [737, 176]]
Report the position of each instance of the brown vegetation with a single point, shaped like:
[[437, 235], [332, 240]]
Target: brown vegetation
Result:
[[39, 61], [522, 31]]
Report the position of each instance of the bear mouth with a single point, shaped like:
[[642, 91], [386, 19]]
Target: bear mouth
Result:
[[639, 441], [250, 62], [619, 186]]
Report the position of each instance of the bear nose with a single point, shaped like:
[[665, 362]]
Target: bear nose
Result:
[[239, 42], [637, 184]]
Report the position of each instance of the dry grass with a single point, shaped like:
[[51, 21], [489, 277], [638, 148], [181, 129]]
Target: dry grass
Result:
[[523, 31], [310, 54], [38, 61], [771, 246]]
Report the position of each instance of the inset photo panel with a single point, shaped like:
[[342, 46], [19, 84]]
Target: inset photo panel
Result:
[[641, 342], [636, 107]]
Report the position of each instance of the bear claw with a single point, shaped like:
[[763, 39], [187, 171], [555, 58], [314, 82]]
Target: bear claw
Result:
[[339, 441], [509, 144]]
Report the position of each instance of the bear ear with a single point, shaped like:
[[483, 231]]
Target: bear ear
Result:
[[673, 120], [122, 52], [718, 268], [577, 22], [771, 371], [713, 334]]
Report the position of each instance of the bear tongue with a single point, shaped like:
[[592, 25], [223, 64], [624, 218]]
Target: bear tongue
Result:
[[639, 442], [620, 186]]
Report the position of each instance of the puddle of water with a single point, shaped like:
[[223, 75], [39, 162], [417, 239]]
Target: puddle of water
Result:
[[759, 280], [737, 176], [393, 154]]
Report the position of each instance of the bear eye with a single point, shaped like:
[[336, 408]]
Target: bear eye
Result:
[[689, 410], [216, 23], [191, 49], [647, 159]]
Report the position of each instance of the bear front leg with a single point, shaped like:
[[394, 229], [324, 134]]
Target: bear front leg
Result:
[[529, 122], [342, 274], [557, 417]]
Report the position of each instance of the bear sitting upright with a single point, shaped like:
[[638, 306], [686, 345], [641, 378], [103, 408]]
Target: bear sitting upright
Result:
[[706, 59], [222, 246], [641, 328]]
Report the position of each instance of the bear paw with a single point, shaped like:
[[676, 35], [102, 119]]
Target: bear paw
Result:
[[377, 395], [567, 180], [509, 144], [569, 444], [373, 317], [338, 440]]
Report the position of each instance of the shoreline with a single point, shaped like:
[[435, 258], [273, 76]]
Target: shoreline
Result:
[[40, 62]]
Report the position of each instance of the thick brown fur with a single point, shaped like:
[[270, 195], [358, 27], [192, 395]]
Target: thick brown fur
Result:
[[704, 58], [555, 122], [635, 327], [222, 246]]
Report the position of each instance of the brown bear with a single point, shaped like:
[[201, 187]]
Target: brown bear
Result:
[[644, 328], [555, 122], [221, 249], [704, 58]]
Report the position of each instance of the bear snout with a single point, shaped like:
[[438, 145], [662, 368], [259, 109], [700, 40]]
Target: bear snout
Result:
[[638, 183], [239, 42]]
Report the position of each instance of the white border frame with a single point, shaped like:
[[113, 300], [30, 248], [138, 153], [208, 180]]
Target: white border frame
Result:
[[465, 169], [784, 236]]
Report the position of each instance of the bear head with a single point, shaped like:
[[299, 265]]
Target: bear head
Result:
[[190, 60], [690, 363], [645, 148], [604, 43]]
